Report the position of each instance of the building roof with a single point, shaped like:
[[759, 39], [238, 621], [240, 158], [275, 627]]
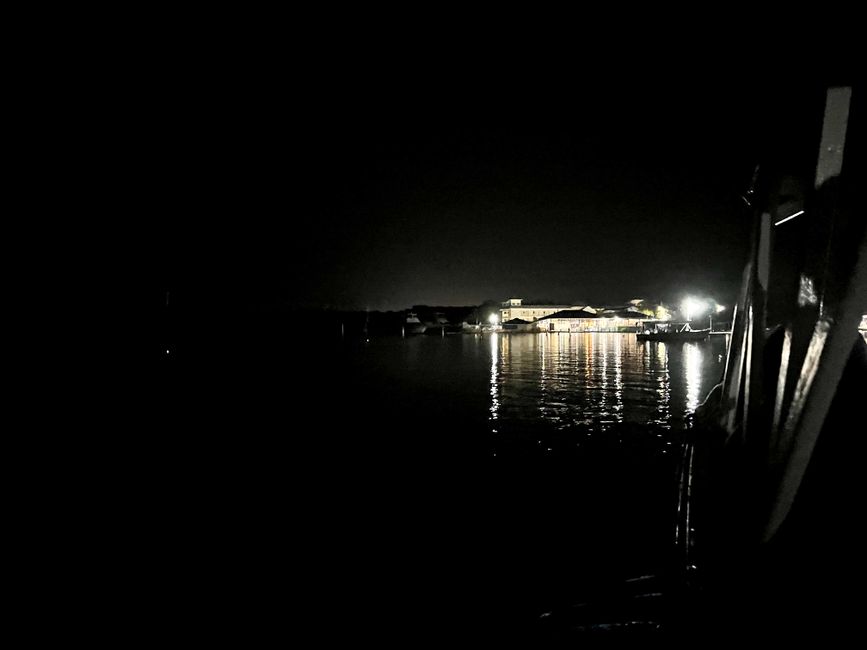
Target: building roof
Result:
[[630, 308], [516, 321], [571, 313], [624, 313], [538, 307]]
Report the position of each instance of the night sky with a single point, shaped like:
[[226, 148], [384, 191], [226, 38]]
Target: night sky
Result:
[[363, 191]]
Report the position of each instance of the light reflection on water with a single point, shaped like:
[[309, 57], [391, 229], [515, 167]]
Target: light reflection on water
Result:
[[692, 369], [495, 383], [595, 381]]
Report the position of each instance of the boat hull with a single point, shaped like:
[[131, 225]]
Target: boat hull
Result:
[[673, 337]]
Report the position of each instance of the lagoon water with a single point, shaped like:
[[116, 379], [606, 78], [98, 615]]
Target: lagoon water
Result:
[[518, 469], [428, 488], [515, 386]]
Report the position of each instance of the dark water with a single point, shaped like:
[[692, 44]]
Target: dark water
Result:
[[427, 488], [529, 384]]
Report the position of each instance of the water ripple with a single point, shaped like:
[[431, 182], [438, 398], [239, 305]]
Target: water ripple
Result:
[[568, 381]]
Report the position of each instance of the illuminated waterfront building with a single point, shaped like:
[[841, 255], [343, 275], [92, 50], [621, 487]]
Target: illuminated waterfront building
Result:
[[513, 308], [571, 318]]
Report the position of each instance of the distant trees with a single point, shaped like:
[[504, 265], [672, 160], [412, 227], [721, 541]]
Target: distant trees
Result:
[[428, 313], [481, 313]]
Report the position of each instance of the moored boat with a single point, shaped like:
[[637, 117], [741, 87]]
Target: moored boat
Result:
[[684, 334], [413, 325]]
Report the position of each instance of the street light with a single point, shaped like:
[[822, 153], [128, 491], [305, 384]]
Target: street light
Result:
[[692, 307]]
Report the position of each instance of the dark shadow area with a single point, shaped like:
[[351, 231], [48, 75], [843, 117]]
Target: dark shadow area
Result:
[[277, 480]]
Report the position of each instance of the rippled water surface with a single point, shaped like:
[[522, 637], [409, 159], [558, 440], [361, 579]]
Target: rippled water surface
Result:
[[536, 384], [508, 472], [594, 380]]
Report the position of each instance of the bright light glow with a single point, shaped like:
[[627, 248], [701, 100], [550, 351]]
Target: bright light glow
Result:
[[720, 308], [662, 313], [692, 307], [692, 360], [791, 216], [493, 320]]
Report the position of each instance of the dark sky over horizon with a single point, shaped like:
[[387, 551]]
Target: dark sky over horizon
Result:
[[386, 195]]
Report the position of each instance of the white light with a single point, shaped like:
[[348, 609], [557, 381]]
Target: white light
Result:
[[692, 307], [493, 320], [791, 216], [692, 361], [720, 308]]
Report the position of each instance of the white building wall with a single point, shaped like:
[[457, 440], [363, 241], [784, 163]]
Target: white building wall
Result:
[[529, 313], [534, 312], [587, 324]]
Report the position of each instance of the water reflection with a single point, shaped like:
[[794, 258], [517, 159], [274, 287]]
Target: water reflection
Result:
[[596, 380], [692, 369], [663, 383], [618, 377], [495, 388]]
